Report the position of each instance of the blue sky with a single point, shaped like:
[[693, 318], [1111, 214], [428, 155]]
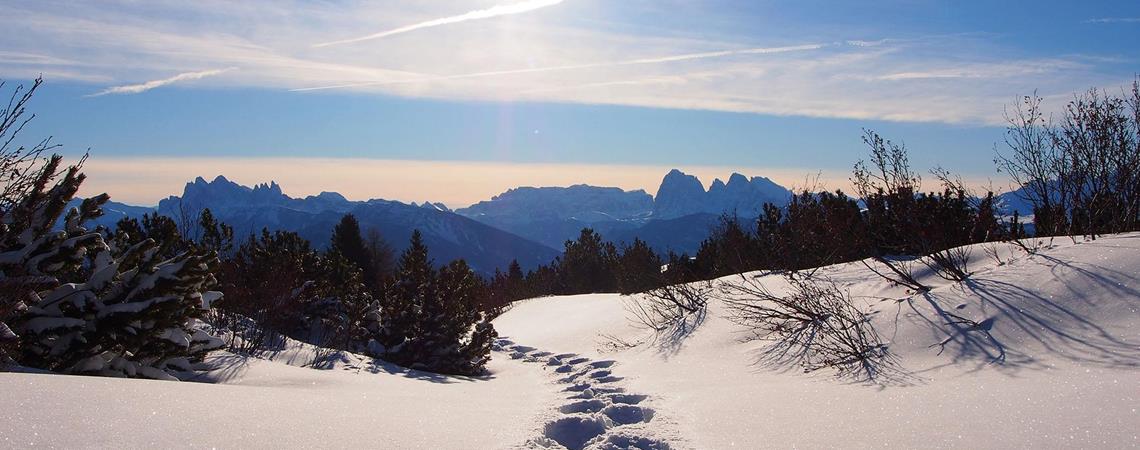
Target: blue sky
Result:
[[542, 91]]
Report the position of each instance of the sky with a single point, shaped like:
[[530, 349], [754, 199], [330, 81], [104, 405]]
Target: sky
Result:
[[455, 101]]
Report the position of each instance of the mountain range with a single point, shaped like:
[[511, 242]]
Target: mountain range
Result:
[[249, 209], [677, 219], [528, 224]]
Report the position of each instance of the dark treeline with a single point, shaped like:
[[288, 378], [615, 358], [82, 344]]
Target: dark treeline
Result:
[[353, 296]]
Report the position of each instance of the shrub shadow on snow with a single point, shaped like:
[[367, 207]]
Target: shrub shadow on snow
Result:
[[219, 367], [1013, 317], [1064, 331], [671, 313]]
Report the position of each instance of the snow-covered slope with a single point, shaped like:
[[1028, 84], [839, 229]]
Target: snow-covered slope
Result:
[[575, 371], [1068, 322], [276, 404]]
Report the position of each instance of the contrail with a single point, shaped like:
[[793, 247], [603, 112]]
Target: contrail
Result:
[[632, 62], [1114, 20], [143, 87], [494, 11]]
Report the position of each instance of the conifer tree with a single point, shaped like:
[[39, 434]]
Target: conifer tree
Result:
[[587, 264], [431, 320], [349, 243], [75, 302], [415, 282], [639, 268]]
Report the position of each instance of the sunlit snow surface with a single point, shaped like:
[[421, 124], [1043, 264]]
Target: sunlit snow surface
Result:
[[575, 371]]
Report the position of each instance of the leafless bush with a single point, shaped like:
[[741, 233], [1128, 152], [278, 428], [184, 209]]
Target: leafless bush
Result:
[[242, 334], [901, 272], [950, 264], [813, 325], [993, 252], [672, 311]]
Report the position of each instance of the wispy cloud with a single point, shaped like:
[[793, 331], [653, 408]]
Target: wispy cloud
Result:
[[632, 62], [599, 52], [143, 87], [991, 70], [495, 11], [1114, 20]]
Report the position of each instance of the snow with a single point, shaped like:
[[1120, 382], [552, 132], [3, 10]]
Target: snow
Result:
[[1067, 320], [575, 372], [270, 403]]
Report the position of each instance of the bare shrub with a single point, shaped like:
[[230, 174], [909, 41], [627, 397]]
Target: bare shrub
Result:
[[672, 311], [901, 272], [814, 325], [950, 264], [991, 249]]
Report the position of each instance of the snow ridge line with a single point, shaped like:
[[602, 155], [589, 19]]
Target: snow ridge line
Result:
[[600, 415]]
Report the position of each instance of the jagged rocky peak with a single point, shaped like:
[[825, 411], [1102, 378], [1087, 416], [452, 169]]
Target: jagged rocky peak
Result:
[[717, 186], [680, 194]]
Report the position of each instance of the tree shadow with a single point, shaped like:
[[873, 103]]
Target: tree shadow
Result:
[[380, 366], [1061, 330], [1013, 317], [218, 368]]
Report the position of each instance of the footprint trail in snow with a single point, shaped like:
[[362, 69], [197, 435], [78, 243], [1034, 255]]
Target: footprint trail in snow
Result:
[[598, 413]]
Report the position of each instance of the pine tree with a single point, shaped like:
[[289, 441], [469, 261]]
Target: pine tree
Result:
[[216, 236], [447, 318], [349, 243], [72, 302], [431, 320], [587, 264], [404, 300], [639, 268], [131, 314]]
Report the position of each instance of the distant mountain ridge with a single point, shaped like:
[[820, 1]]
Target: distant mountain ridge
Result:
[[681, 195], [678, 218], [448, 235]]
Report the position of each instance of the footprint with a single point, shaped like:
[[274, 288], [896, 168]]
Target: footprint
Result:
[[598, 409], [586, 394], [623, 441], [565, 368], [600, 374], [586, 406], [627, 414], [626, 399], [573, 432], [578, 387]]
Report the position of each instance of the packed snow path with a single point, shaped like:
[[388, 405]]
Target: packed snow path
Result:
[[598, 412]]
